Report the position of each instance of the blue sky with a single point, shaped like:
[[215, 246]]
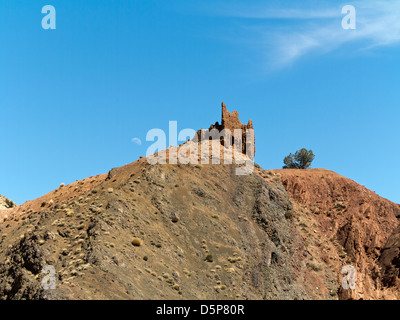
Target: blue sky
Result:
[[72, 99]]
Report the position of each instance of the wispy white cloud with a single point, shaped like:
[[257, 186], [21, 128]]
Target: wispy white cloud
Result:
[[272, 13], [319, 30]]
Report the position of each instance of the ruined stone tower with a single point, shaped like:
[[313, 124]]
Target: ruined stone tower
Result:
[[231, 122]]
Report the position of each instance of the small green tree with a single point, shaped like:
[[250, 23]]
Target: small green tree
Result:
[[300, 160]]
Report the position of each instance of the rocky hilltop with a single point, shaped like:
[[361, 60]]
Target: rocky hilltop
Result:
[[229, 123], [202, 232]]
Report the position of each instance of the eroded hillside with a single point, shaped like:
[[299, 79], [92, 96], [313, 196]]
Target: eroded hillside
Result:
[[163, 232], [175, 231], [364, 225]]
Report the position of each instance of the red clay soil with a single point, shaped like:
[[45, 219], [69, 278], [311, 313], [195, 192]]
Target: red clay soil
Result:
[[358, 218]]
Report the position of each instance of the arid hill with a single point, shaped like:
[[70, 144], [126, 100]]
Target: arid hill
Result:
[[158, 231], [200, 231]]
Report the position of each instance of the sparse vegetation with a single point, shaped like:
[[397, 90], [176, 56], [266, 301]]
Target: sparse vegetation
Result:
[[314, 265], [289, 214], [175, 287], [136, 242], [234, 259], [300, 160], [9, 203]]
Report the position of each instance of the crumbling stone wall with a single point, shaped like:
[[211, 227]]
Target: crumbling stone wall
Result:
[[231, 122]]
